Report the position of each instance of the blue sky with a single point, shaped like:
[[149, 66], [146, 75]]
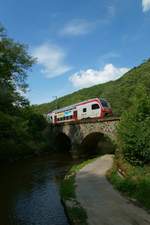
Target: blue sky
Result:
[[78, 43]]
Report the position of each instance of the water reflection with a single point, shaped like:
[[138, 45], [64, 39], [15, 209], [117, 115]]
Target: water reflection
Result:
[[29, 192]]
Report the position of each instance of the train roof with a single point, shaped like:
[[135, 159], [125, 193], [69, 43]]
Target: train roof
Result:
[[72, 106]]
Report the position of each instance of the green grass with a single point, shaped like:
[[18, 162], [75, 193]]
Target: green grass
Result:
[[119, 93], [67, 189], [135, 183], [76, 213]]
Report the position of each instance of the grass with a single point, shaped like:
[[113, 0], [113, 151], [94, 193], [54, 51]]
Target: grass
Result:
[[77, 215], [67, 189], [133, 181], [75, 212]]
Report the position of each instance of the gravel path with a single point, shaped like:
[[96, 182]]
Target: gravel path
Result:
[[103, 204]]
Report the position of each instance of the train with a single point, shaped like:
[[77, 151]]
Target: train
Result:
[[92, 108]]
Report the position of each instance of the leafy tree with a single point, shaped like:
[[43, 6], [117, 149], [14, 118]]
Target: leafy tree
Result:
[[20, 128], [36, 124], [134, 129], [14, 64]]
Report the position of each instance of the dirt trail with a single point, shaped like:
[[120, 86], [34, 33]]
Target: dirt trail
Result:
[[103, 204]]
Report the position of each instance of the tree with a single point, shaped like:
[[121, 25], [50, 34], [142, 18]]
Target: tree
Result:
[[14, 64], [134, 129]]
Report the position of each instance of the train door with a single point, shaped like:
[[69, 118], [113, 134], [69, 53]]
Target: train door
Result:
[[95, 110], [82, 111], [75, 115]]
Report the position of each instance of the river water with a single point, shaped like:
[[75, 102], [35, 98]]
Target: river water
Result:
[[29, 191]]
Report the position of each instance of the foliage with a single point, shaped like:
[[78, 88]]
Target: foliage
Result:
[[133, 129], [36, 123], [119, 93], [14, 64], [20, 128], [135, 183], [67, 189]]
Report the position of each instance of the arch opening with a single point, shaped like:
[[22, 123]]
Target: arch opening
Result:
[[62, 143], [96, 143]]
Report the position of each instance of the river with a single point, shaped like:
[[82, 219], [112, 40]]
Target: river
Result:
[[29, 191]]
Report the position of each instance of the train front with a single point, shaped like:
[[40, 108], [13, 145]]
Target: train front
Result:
[[106, 108]]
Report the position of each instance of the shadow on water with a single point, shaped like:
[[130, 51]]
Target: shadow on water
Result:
[[29, 191]]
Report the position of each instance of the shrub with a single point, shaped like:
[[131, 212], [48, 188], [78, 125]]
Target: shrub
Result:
[[134, 129]]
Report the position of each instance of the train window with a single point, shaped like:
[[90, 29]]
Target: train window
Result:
[[84, 109], [104, 103], [95, 106]]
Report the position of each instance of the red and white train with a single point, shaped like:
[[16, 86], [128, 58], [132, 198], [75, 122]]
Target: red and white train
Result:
[[92, 108]]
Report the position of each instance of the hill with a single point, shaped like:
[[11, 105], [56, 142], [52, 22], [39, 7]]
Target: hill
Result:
[[118, 92]]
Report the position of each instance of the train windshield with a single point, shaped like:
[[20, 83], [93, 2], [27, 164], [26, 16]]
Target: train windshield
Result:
[[104, 103]]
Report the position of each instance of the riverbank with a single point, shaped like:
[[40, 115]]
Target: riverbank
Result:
[[97, 201], [74, 211]]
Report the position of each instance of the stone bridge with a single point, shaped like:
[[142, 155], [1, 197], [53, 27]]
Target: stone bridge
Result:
[[84, 134]]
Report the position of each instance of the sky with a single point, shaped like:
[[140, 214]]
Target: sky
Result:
[[79, 43]]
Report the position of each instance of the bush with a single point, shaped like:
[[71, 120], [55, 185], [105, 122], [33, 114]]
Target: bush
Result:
[[134, 129]]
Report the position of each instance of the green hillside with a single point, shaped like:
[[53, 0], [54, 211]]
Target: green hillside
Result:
[[118, 92]]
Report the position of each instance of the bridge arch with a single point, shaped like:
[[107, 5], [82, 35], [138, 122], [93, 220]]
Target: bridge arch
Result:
[[62, 142], [96, 143]]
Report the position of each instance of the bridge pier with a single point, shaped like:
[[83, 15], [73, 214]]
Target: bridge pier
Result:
[[75, 150]]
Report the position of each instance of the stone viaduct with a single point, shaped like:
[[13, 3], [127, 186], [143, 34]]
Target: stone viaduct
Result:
[[79, 132]]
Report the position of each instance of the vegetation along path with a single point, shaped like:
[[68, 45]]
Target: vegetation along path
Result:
[[103, 204]]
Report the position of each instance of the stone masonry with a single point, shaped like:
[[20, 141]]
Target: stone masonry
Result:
[[76, 132]]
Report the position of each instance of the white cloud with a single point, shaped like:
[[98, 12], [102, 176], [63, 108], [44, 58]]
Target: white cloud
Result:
[[87, 78], [52, 59], [146, 5], [77, 27]]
